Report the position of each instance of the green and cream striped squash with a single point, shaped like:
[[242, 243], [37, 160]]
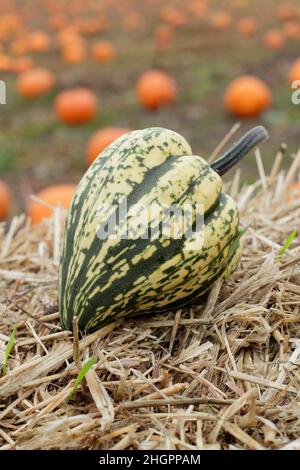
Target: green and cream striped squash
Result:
[[105, 279]]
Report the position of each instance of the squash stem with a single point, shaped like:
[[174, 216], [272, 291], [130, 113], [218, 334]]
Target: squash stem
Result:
[[248, 142]]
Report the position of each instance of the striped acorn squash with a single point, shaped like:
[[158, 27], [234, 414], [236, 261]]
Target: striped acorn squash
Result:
[[102, 279]]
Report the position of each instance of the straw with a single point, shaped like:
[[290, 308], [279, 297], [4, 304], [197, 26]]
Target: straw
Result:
[[223, 374]]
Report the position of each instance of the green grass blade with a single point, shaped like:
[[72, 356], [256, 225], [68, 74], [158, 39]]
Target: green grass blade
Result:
[[288, 242], [7, 351], [81, 374]]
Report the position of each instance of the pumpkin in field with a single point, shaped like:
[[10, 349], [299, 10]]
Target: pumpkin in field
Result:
[[294, 73], [35, 82], [221, 20], [6, 63], [198, 7], [103, 51], [286, 11], [74, 53], [22, 64], [133, 21], [173, 16], [156, 88], [291, 29], [114, 265], [38, 41], [273, 39], [57, 22], [69, 37], [73, 46], [53, 196], [247, 96], [101, 139], [76, 106], [246, 26], [163, 36], [92, 26], [5, 200], [19, 45]]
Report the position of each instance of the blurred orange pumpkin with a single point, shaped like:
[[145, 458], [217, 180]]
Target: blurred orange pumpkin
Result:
[[6, 63], [247, 96], [163, 36], [74, 53], [198, 7], [173, 16], [38, 41], [101, 139], [22, 64], [90, 25], [73, 46], [35, 82], [294, 73], [133, 21], [19, 46], [246, 26], [58, 195], [156, 88], [221, 20], [70, 37], [273, 39], [286, 11], [57, 22], [76, 106], [5, 200], [291, 29], [103, 51]]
